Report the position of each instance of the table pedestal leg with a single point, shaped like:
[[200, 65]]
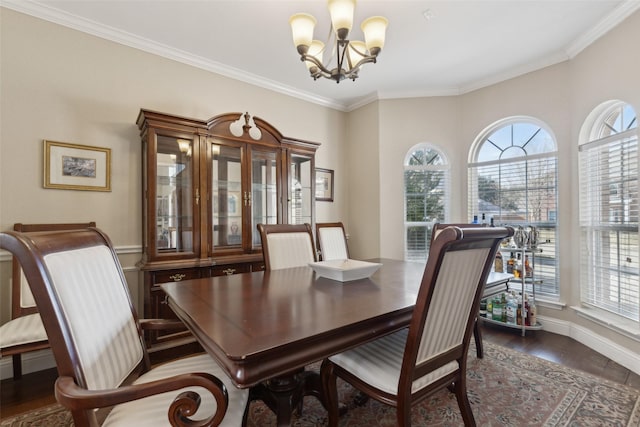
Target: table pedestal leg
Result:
[[283, 394]]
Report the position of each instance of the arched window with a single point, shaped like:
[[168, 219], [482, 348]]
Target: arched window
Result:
[[426, 196], [609, 252], [513, 179]]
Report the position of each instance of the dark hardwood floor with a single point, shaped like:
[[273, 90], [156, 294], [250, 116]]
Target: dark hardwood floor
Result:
[[36, 390]]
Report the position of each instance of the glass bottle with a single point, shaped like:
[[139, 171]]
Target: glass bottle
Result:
[[497, 309], [511, 263], [528, 271], [517, 267], [532, 313], [498, 264]]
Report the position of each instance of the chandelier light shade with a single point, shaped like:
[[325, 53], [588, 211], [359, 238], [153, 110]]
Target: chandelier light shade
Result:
[[349, 55]]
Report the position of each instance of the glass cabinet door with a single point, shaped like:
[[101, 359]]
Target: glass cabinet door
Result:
[[174, 192], [227, 196], [300, 196], [265, 176]]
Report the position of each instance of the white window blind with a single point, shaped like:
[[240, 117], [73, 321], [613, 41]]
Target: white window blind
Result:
[[426, 182], [609, 250], [514, 181]]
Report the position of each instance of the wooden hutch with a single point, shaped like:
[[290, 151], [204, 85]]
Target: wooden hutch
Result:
[[206, 186]]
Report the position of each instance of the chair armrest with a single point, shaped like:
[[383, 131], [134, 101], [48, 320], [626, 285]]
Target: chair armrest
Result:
[[76, 398], [161, 324]]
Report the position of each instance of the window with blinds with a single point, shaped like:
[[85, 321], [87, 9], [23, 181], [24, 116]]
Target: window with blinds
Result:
[[426, 194], [513, 179], [609, 248]]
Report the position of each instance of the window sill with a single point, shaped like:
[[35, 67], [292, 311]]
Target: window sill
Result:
[[623, 326], [550, 303]]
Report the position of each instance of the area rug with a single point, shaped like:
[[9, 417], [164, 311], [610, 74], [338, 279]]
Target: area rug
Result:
[[506, 388]]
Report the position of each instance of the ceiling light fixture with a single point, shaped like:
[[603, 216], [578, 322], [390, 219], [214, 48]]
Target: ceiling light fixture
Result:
[[348, 56]]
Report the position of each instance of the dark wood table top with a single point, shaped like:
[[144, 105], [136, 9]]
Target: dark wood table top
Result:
[[264, 324]]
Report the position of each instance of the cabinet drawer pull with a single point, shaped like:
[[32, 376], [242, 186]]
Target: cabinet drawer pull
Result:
[[177, 277], [229, 271]]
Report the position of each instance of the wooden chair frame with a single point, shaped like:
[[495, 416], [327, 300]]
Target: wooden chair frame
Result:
[[17, 309], [71, 389], [450, 239], [267, 229], [477, 333], [321, 225]]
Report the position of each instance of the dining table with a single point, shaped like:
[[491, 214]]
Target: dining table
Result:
[[264, 327]]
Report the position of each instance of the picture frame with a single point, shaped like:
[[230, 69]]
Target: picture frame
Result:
[[76, 167], [324, 185]]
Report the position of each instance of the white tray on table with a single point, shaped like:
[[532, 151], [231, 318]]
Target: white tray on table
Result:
[[344, 270]]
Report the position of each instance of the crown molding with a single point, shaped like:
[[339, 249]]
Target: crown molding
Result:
[[51, 14], [609, 22]]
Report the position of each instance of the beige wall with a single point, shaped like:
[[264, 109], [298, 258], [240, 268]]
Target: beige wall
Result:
[[63, 85], [363, 180]]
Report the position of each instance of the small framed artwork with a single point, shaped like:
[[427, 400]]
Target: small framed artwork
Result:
[[76, 167], [324, 185]]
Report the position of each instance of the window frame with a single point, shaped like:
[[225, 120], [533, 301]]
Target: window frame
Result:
[[598, 144], [445, 169], [548, 260]]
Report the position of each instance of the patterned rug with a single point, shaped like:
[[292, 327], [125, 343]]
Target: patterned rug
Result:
[[506, 388]]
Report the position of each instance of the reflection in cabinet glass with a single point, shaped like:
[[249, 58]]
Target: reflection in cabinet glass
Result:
[[264, 190], [173, 192], [226, 195], [302, 195]]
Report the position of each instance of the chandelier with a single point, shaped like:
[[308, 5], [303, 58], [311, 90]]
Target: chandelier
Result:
[[348, 56]]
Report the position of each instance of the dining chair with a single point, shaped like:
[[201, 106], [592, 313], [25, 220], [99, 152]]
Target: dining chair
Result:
[[331, 241], [405, 367], [286, 245], [104, 371], [477, 334], [24, 332]]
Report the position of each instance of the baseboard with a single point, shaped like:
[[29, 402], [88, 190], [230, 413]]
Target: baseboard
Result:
[[621, 355], [33, 361]]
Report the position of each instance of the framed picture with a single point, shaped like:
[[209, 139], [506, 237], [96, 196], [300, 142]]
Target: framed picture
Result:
[[76, 167], [324, 185]]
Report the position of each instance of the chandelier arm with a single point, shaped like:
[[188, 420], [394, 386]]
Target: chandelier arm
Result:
[[365, 60], [341, 50], [314, 61]]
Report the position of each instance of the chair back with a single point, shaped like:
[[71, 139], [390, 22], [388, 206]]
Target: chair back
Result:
[[439, 226], [83, 298], [459, 262], [22, 302], [331, 241], [286, 245]]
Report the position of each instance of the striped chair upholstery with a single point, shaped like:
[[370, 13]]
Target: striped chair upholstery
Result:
[[437, 228], [286, 245], [430, 354], [25, 331], [81, 292], [332, 241]]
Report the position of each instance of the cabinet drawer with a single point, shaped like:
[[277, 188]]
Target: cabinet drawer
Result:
[[176, 275], [257, 266], [229, 269]]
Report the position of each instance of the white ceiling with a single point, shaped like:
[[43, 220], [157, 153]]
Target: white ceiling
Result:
[[462, 46]]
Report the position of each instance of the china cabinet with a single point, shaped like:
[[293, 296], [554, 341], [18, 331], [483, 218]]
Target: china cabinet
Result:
[[206, 186]]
